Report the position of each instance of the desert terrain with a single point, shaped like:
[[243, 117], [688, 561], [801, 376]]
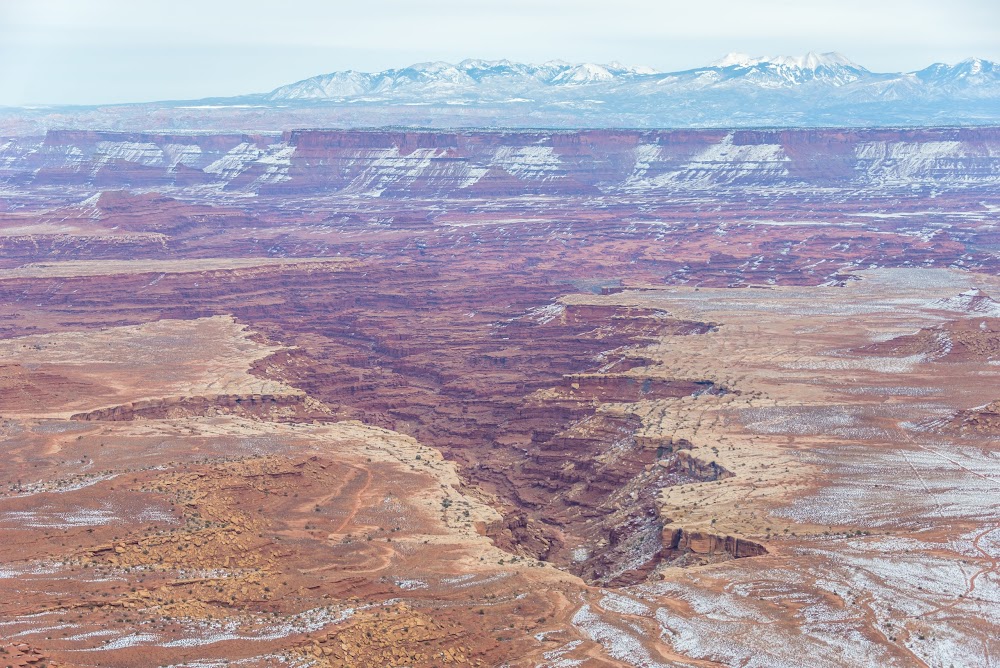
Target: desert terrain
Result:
[[526, 399]]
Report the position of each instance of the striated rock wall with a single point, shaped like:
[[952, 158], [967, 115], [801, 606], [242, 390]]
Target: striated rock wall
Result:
[[489, 164]]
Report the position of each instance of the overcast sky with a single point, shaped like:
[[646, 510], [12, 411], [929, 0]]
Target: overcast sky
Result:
[[92, 51]]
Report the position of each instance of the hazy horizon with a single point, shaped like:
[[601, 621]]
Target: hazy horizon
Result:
[[111, 51]]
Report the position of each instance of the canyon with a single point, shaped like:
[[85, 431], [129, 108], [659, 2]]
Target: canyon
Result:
[[500, 398]]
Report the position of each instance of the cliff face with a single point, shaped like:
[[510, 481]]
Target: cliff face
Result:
[[678, 542], [395, 164]]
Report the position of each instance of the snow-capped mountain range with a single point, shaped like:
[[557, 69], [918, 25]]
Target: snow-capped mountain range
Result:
[[478, 77], [472, 81], [739, 90]]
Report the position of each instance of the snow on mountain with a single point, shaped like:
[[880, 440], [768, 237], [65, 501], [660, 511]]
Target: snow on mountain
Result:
[[810, 61], [970, 69], [334, 85], [477, 81], [582, 74], [735, 59], [973, 75], [615, 66], [486, 78], [739, 90], [787, 71], [815, 61]]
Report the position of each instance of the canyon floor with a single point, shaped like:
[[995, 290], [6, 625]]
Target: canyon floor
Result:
[[713, 416]]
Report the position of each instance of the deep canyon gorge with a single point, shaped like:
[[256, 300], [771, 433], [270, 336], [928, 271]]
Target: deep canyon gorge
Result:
[[483, 398]]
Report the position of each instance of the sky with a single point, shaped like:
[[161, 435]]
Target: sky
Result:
[[106, 51]]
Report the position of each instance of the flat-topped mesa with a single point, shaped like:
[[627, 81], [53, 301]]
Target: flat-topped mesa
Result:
[[633, 320], [592, 162], [389, 164]]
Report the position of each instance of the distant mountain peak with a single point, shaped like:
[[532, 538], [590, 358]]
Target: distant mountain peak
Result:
[[585, 73], [480, 64], [971, 71], [740, 89], [631, 69], [810, 61], [735, 59]]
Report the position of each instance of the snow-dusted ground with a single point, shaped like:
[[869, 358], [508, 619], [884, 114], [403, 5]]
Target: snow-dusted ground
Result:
[[897, 557], [188, 632]]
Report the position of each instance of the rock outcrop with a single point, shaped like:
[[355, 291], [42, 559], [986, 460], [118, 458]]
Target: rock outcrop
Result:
[[275, 407], [678, 541]]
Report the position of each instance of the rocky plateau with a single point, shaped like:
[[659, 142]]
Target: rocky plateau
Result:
[[529, 399]]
